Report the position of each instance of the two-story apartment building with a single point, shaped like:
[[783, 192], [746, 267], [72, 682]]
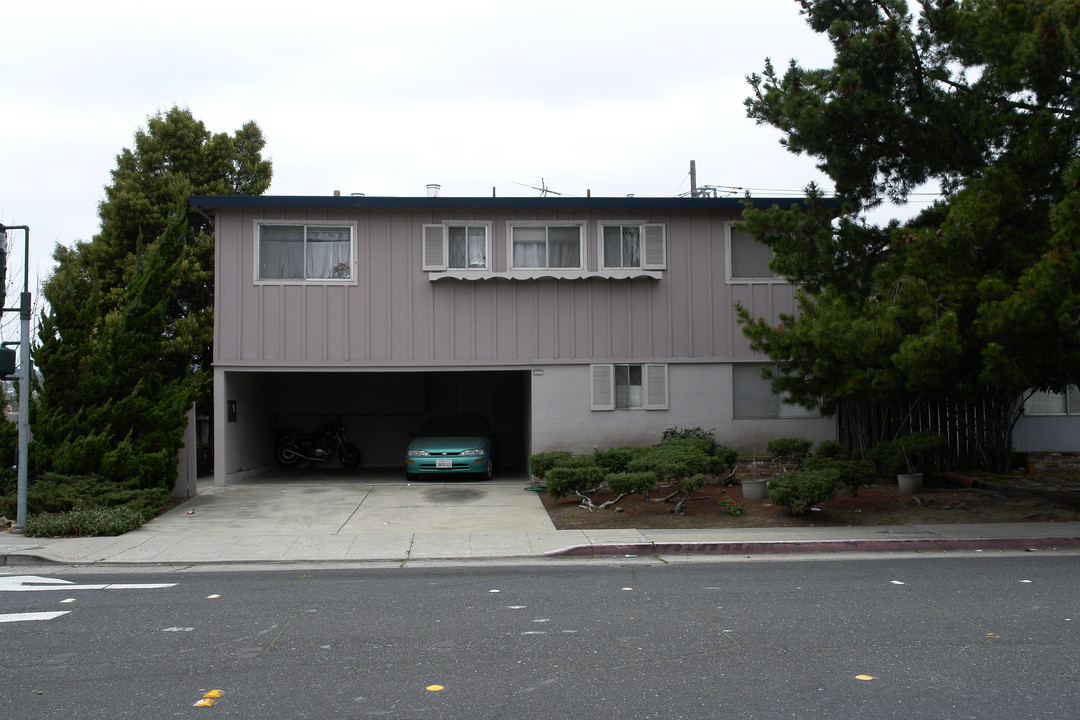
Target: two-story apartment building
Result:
[[571, 323]]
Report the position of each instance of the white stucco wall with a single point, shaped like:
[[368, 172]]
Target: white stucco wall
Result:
[[1048, 433], [700, 395]]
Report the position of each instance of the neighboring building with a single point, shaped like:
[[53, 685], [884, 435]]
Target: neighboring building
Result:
[[1048, 432], [571, 323]]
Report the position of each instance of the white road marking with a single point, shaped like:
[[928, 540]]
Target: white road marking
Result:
[[30, 583], [23, 617]]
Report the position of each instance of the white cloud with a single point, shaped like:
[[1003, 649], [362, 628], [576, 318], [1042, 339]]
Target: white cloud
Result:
[[383, 98]]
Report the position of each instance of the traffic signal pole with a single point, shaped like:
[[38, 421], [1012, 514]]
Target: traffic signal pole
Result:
[[24, 370]]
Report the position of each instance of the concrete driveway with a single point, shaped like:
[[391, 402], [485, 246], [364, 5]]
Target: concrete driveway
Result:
[[335, 501]]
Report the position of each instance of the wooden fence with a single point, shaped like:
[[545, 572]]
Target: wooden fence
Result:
[[978, 431]]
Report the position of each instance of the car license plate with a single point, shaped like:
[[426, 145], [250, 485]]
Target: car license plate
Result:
[[444, 463]]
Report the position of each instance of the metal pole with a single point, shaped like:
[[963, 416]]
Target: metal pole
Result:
[[24, 381], [24, 402]]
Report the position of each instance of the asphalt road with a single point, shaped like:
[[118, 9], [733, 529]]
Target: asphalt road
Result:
[[972, 636]]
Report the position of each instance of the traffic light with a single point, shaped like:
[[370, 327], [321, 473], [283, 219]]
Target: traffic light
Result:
[[7, 362]]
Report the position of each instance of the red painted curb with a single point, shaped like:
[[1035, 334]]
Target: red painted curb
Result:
[[812, 546]]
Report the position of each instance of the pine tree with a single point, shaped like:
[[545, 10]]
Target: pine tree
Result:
[[125, 345], [976, 298]]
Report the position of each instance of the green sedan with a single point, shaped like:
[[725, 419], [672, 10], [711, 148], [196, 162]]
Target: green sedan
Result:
[[457, 444]]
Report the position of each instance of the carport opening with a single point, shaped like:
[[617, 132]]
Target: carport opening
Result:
[[380, 410]]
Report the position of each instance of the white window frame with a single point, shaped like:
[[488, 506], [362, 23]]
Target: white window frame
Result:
[[653, 252], [654, 386], [352, 262], [435, 241], [732, 279], [1036, 403], [582, 239]]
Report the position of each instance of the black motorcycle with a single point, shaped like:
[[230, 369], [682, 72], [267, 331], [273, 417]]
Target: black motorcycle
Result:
[[291, 446]]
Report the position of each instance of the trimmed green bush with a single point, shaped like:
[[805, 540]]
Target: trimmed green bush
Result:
[[615, 460], [800, 490], [630, 483], [791, 449], [541, 463], [828, 449], [694, 433], [564, 480], [85, 521], [853, 474], [910, 453]]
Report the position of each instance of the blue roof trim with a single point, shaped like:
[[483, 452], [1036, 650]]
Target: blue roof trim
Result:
[[208, 202]]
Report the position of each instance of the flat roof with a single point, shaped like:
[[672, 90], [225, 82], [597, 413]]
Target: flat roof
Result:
[[210, 202]]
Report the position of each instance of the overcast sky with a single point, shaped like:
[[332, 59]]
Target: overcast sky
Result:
[[383, 98]]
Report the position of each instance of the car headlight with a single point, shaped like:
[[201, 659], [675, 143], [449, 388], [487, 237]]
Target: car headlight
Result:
[[474, 451], [417, 453]]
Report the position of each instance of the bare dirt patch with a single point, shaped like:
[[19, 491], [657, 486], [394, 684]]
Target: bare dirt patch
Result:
[[873, 505]]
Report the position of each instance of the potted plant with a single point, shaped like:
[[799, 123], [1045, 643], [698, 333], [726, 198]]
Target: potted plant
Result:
[[907, 457]]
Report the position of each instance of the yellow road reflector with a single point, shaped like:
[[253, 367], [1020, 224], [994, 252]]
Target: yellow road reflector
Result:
[[213, 694], [434, 688], [864, 677], [206, 702]]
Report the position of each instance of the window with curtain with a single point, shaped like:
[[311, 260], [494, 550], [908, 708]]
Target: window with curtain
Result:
[[629, 386], [546, 246], [303, 252], [466, 247], [622, 246]]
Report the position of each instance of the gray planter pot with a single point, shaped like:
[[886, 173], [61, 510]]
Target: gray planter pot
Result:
[[910, 483], [755, 489]]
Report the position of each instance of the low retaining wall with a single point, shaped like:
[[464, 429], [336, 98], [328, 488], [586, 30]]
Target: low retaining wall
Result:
[[1051, 462]]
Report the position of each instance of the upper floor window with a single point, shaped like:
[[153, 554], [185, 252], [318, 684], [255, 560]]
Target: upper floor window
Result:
[[304, 251], [632, 245], [749, 258], [546, 247], [457, 246]]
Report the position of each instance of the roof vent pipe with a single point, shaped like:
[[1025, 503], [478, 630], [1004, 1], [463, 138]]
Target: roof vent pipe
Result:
[[433, 189]]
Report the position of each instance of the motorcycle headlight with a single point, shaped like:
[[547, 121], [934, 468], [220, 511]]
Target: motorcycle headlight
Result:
[[417, 453], [474, 451]]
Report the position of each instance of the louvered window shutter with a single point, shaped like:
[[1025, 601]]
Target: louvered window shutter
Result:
[[434, 247], [655, 255], [603, 387], [656, 387]]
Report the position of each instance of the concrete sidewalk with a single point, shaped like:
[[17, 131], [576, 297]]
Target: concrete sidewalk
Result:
[[390, 521]]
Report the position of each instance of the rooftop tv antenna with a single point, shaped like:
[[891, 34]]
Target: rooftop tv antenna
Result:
[[544, 189]]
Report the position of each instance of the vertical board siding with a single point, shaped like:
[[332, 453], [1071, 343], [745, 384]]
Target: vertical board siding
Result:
[[395, 315]]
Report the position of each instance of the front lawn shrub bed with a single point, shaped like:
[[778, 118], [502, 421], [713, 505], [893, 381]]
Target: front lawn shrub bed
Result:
[[799, 490]]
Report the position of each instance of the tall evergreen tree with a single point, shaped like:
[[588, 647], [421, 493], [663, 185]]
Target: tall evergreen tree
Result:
[[125, 344], [977, 297]]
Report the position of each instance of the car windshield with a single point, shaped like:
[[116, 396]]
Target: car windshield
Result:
[[454, 425]]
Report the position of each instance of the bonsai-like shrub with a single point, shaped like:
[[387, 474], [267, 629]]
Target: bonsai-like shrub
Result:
[[853, 474], [800, 490], [615, 460], [629, 483], [910, 453], [564, 480], [695, 433], [789, 451], [541, 463], [828, 449]]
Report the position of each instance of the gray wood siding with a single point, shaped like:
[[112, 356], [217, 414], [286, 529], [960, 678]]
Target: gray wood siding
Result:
[[396, 316]]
